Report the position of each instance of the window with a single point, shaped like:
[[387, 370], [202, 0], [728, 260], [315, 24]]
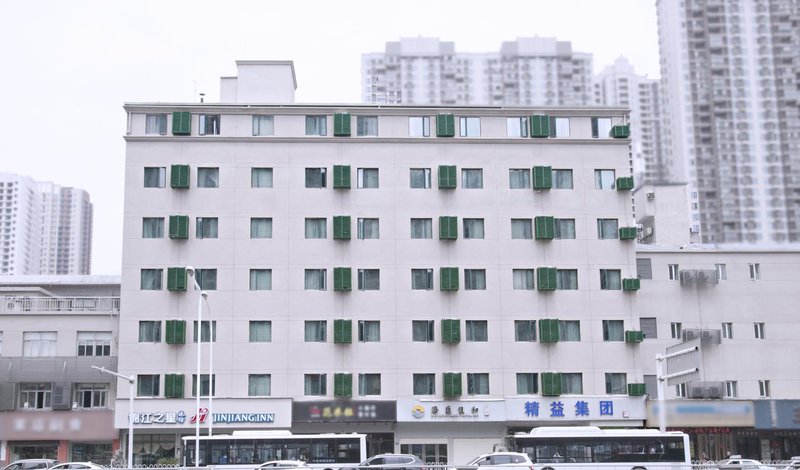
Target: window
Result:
[[419, 126], [524, 330], [316, 228], [517, 127], [207, 227], [206, 278], [571, 383], [523, 279], [208, 331], [151, 279], [674, 273], [569, 330], [727, 330], [369, 384], [367, 126], [316, 177], [560, 127], [644, 268], [260, 279], [208, 177], [261, 177], [755, 271], [316, 331], [562, 179], [368, 229], [676, 329], [422, 331], [148, 385], [601, 127], [616, 384], [607, 229], [564, 229], [567, 279], [475, 279], [469, 126], [473, 228], [420, 178], [39, 343], [263, 125], [527, 383], [369, 279], [613, 330], [477, 384], [610, 279], [477, 330], [259, 385], [421, 228], [519, 178], [208, 385], [759, 330], [521, 229], [722, 272], [155, 176], [260, 331], [763, 388], [421, 279], [424, 384], [94, 343], [152, 227], [209, 124], [149, 331], [472, 178], [604, 179], [649, 327], [91, 395], [35, 396], [367, 178], [316, 279], [316, 125], [680, 390], [155, 124], [731, 389], [315, 384], [261, 227], [369, 331]]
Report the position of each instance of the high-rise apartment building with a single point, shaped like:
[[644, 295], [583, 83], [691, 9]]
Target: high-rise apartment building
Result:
[[46, 228], [525, 72], [730, 90]]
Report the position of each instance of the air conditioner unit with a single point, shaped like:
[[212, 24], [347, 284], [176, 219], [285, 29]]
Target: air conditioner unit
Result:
[[61, 396], [702, 276], [651, 196], [714, 392], [689, 335], [687, 277], [697, 391], [648, 231]]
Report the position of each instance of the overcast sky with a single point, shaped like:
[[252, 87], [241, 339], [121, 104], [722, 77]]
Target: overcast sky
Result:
[[68, 66]]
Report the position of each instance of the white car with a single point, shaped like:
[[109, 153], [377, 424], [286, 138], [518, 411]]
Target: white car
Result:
[[30, 464], [794, 464], [499, 459], [284, 464], [737, 462], [77, 466]]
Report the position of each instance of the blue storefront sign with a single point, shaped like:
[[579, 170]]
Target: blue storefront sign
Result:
[[777, 414]]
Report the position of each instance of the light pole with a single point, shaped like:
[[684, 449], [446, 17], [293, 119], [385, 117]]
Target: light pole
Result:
[[190, 271], [131, 380]]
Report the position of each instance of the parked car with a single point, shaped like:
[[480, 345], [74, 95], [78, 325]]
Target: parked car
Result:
[[284, 464], [736, 462], [31, 464], [499, 459], [794, 464], [77, 466], [392, 462]]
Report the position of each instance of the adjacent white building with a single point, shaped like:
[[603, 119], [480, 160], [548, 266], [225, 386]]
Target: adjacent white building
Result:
[[732, 125], [45, 228]]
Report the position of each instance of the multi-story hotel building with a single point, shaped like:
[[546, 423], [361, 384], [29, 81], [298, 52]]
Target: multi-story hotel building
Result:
[[46, 228], [732, 123], [417, 260]]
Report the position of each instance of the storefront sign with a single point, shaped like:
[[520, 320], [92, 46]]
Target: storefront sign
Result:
[[703, 413], [777, 414], [227, 413], [581, 408], [74, 425], [332, 411], [415, 410]]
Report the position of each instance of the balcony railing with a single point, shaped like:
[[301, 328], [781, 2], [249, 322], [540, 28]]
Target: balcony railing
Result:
[[58, 304]]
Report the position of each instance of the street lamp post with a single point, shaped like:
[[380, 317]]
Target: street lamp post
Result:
[[131, 380], [203, 294]]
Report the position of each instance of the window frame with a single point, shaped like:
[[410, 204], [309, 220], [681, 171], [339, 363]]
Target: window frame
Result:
[[474, 279], [528, 278], [476, 331], [427, 228], [148, 385], [263, 125], [601, 181], [367, 384], [93, 341], [429, 383], [429, 331], [562, 275], [567, 330], [469, 126], [209, 124], [517, 127], [424, 127], [558, 229], [527, 229], [366, 333], [468, 174], [607, 229], [321, 275], [321, 229], [154, 232], [255, 333], [160, 123], [617, 334], [673, 272], [759, 330], [157, 278], [260, 279], [206, 227], [317, 334], [676, 330], [363, 127], [208, 177], [514, 180], [375, 228], [619, 388], [727, 330], [755, 271], [262, 177], [426, 178], [161, 177], [531, 382], [478, 383], [149, 329], [428, 278], [315, 385], [365, 284], [317, 177], [525, 331], [473, 228], [316, 125], [365, 178], [557, 179], [256, 231], [610, 279], [251, 385]]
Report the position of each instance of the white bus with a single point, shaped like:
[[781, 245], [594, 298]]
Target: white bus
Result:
[[249, 449], [585, 447]]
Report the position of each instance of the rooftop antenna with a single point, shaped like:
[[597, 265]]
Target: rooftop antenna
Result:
[[202, 96]]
